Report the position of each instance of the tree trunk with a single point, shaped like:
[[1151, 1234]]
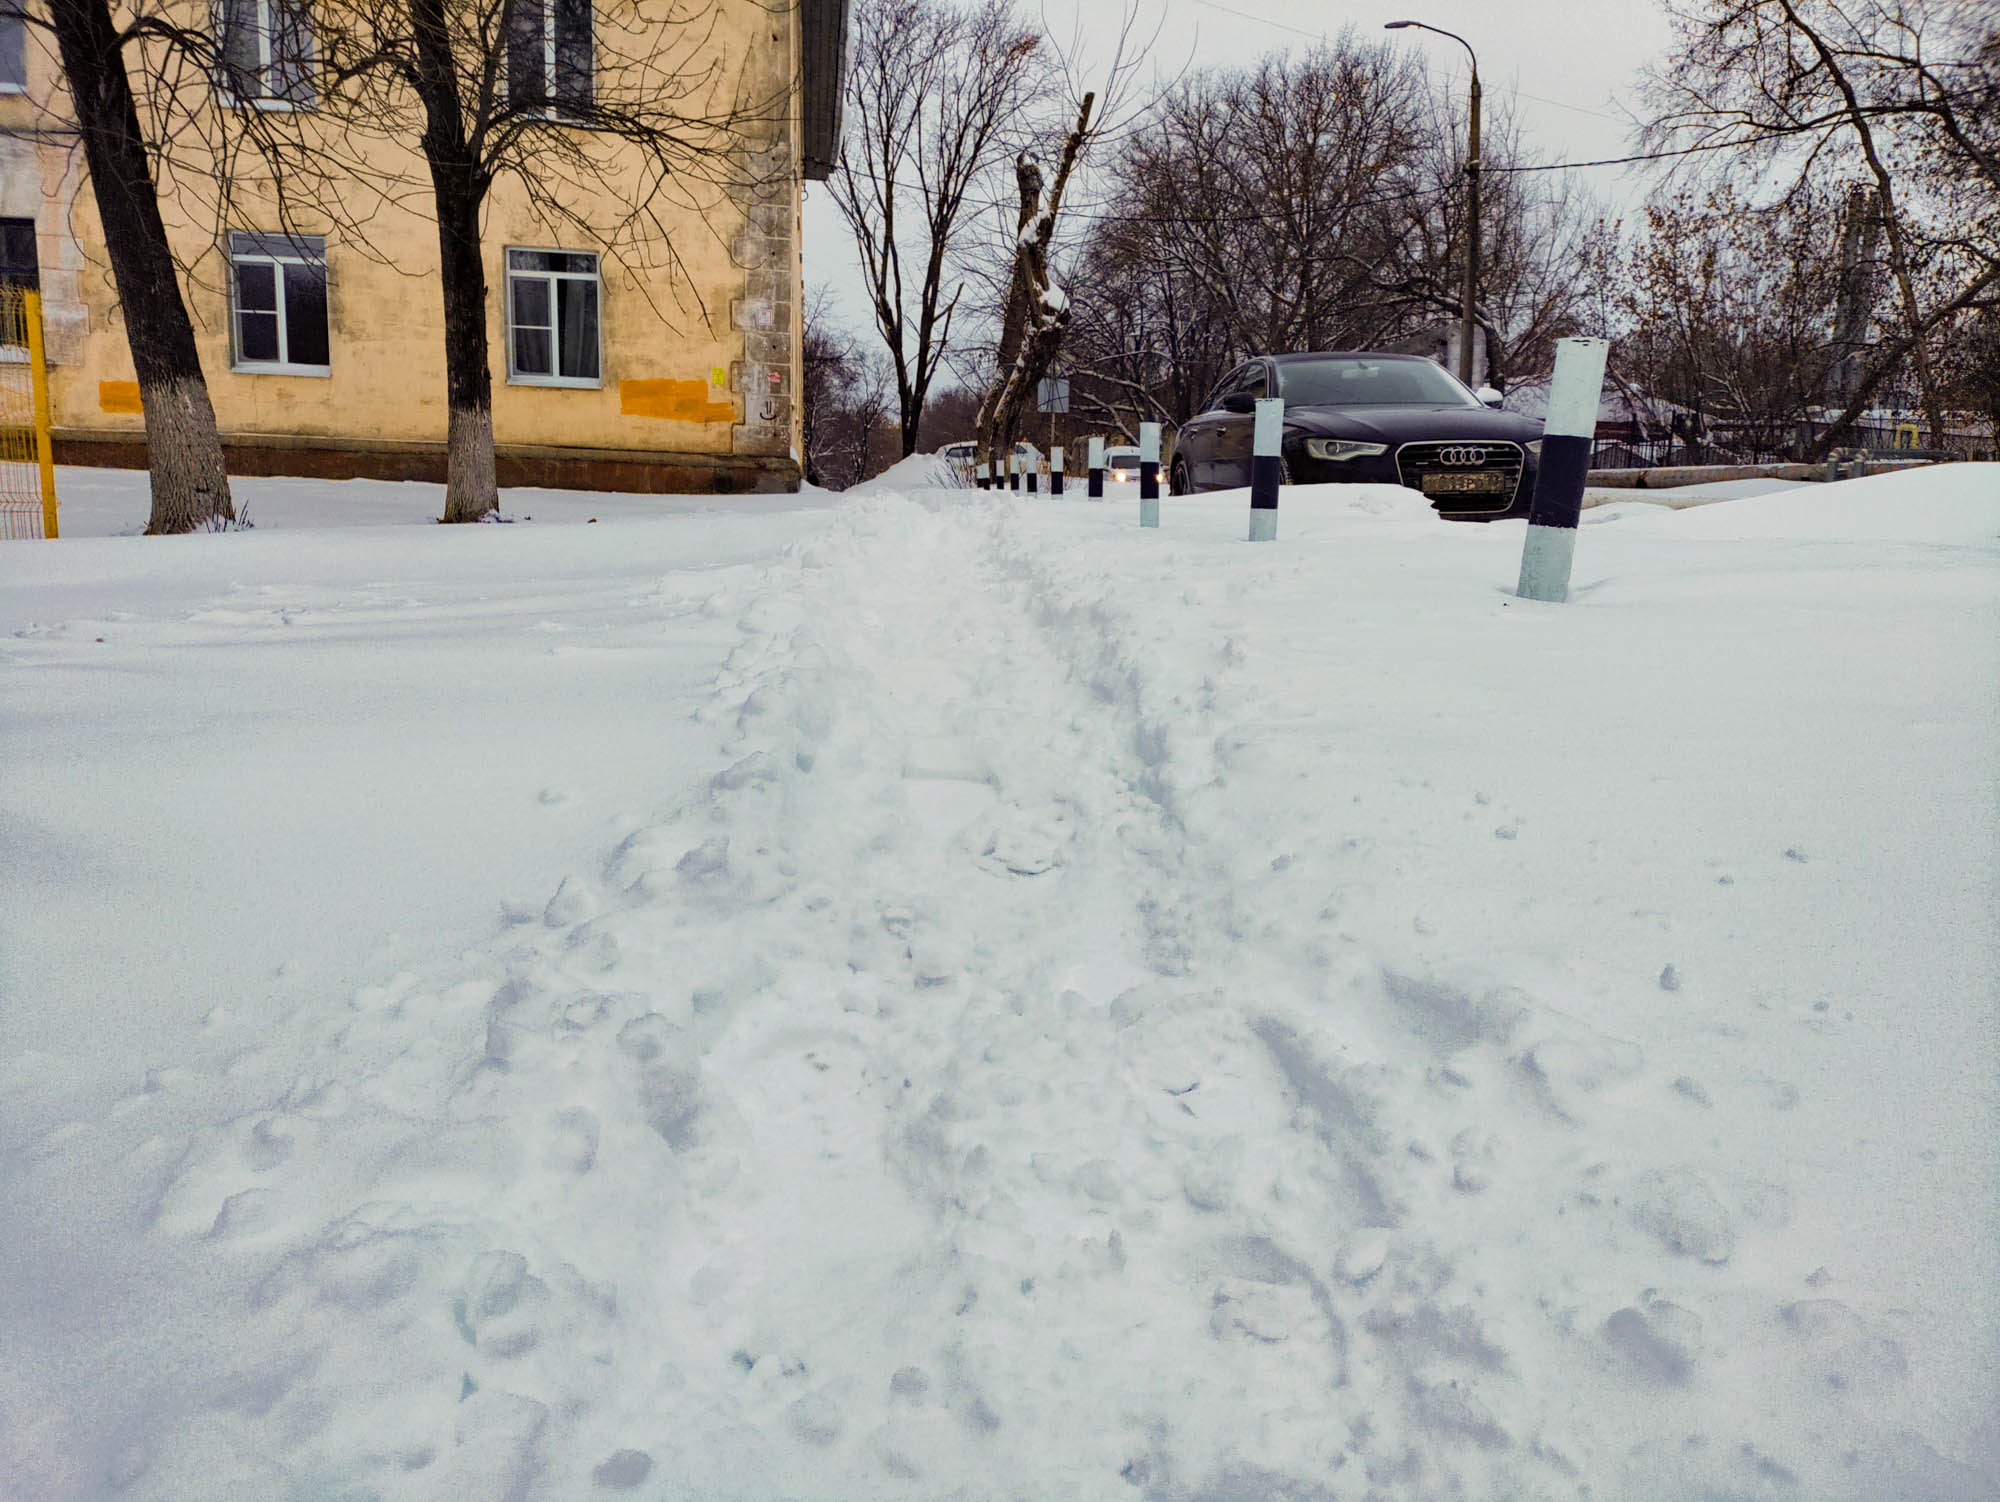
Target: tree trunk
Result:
[[1036, 316], [184, 451], [471, 490], [458, 191]]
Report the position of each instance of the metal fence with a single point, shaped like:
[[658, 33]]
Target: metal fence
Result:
[[27, 469], [1765, 446]]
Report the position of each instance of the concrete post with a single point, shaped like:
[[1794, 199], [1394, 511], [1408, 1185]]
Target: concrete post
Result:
[[1149, 474], [1097, 469], [1055, 469], [1567, 434], [1266, 466]]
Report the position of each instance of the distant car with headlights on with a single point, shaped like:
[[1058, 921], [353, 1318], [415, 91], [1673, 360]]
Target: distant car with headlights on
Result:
[[1121, 464], [1359, 418]]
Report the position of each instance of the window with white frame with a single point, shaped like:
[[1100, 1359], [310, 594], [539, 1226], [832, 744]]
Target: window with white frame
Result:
[[265, 52], [552, 318], [278, 291], [13, 52], [550, 55]]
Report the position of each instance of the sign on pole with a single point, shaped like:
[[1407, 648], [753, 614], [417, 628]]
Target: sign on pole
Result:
[[1052, 393]]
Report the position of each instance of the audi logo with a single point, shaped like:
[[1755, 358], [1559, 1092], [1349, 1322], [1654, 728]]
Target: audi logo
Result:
[[1461, 454]]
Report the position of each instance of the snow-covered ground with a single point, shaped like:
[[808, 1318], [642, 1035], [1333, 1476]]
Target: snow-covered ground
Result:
[[931, 994]]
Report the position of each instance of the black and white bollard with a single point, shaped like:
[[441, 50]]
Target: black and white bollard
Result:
[[1055, 469], [1097, 469], [1034, 473], [1014, 473], [1567, 434], [1149, 474], [985, 476], [1267, 466]]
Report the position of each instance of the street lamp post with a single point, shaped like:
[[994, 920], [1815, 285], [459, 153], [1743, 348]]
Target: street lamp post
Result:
[[1465, 317]]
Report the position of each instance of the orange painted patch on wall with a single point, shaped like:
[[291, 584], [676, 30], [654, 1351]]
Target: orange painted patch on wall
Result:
[[677, 401], [118, 396]]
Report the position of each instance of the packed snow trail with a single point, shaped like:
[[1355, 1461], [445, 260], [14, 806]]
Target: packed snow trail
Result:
[[985, 1080]]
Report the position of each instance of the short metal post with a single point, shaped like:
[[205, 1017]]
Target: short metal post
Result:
[[1266, 466], [1574, 392], [1055, 469], [38, 376], [1097, 469], [1149, 474]]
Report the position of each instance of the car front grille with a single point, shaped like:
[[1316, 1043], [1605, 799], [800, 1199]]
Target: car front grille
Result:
[[1463, 457]]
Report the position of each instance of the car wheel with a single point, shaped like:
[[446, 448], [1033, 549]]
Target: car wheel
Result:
[[1177, 479]]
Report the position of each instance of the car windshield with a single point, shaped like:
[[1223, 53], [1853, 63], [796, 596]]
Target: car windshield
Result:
[[1116, 457], [1370, 383]]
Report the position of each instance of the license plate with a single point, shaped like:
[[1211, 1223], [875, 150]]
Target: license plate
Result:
[[1481, 484]]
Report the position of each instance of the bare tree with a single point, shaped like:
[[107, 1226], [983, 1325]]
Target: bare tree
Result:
[[601, 117], [1312, 201], [1726, 309], [190, 484], [844, 400], [1037, 310], [938, 97], [1897, 92]]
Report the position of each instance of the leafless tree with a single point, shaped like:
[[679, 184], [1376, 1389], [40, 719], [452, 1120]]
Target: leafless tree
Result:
[[1037, 311], [844, 401], [939, 96], [611, 122], [1897, 93], [1726, 310], [99, 55], [1313, 201]]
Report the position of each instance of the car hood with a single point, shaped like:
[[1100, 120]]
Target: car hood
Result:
[[1410, 424]]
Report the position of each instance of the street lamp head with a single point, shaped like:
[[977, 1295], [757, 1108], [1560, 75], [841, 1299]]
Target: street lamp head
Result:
[[1396, 25]]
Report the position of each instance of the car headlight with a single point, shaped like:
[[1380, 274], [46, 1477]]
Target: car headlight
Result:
[[1343, 448], [1534, 447]]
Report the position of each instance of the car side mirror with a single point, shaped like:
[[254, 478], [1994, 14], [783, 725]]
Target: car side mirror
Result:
[[1239, 401], [1490, 396]]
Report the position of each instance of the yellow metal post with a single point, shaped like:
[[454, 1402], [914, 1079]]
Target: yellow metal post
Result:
[[44, 445]]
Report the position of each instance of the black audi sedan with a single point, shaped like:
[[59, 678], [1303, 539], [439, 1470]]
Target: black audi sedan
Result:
[[1366, 419]]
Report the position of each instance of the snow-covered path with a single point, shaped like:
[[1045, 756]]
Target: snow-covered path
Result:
[[1100, 1014]]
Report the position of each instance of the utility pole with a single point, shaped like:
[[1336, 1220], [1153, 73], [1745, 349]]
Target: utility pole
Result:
[[1467, 322], [1860, 244]]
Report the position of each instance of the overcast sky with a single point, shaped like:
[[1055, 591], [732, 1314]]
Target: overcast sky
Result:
[[1567, 66]]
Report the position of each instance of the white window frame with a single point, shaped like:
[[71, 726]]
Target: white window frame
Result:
[[554, 108], [516, 377], [277, 261], [266, 62]]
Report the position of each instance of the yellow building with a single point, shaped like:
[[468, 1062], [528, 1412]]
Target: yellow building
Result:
[[660, 363]]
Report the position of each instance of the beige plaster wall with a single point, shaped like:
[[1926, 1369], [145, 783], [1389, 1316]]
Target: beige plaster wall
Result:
[[717, 298]]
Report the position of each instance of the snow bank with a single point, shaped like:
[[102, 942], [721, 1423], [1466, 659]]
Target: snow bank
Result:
[[915, 472], [113, 503], [1949, 503]]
